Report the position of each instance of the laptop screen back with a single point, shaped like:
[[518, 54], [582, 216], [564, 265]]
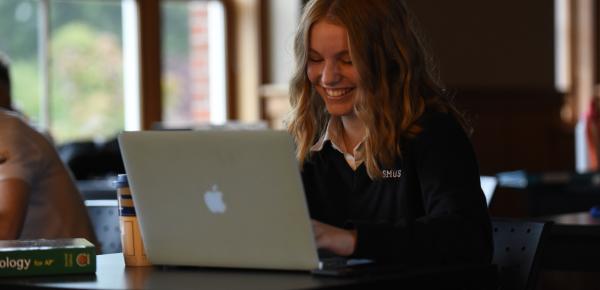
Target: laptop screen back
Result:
[[219, 199]]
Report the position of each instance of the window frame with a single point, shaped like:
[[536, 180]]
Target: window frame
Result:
[[150, 59], [581, 58]]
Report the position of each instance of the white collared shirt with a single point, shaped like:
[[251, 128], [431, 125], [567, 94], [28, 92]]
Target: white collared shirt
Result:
[[333, 133]]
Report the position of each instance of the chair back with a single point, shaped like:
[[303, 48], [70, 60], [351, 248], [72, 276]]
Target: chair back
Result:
[[517, 247], [105, 220]]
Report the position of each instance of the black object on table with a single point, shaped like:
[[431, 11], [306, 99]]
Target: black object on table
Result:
[[573, 243], [553, 193]]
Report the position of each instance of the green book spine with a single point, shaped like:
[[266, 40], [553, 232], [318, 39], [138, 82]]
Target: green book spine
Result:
[[51, 261]]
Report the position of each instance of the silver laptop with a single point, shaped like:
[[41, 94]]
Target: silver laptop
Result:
[[220, 199]]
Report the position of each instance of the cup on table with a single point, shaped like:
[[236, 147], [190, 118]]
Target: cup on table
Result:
[[131, 238]]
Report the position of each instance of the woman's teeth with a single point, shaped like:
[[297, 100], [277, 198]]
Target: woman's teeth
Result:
[[337, 92]]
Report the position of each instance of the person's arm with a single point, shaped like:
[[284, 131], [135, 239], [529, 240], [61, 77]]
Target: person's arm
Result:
[[13, 207], [336, 240]]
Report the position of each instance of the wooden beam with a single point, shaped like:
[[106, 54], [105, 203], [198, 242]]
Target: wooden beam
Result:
[[231, 57], [150, 62]]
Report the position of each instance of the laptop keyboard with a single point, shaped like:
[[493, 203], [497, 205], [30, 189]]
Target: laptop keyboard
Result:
[[338, 262]]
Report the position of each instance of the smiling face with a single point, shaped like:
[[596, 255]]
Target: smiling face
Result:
[[330, 68]]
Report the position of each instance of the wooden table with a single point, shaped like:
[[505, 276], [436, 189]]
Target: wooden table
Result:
[[112, 274], [573, 244]]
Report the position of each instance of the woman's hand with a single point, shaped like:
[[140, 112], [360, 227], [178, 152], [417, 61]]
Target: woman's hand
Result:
[[339, 241]]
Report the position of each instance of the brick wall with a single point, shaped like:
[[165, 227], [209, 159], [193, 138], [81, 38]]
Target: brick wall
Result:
[[199, 86]]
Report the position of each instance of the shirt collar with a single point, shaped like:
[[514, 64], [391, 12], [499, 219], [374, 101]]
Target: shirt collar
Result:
[[329, 131], [333, 133]]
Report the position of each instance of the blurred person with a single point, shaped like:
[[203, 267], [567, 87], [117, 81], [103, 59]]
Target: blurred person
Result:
[[38, 197]]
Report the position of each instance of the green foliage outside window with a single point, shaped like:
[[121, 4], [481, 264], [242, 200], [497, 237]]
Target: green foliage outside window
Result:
[[86, 69], [87, 83]]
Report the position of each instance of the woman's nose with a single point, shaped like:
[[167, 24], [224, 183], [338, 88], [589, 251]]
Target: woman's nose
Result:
[[330, 74]]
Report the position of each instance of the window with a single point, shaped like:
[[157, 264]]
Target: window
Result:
[[18, 40], [577, 55], [193, 55], [86, 69], [79, 95], [75, 64]]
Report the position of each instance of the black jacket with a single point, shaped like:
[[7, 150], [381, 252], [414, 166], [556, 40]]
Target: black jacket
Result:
[[427, 210]]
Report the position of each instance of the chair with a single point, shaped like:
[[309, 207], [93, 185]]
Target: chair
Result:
[[105, 220], [517, 248]]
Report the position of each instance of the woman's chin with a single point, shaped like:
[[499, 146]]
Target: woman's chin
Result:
[[340, 111]]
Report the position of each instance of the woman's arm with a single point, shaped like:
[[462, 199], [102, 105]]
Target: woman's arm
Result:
[[339, 241], [455, 226]]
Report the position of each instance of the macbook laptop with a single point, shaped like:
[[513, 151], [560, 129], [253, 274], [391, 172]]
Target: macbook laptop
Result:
[[220, 199]]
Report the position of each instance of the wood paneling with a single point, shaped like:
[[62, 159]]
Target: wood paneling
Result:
[[518, 129], [490, 44]]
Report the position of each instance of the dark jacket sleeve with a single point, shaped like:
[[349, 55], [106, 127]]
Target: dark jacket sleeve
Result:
[[455, 227]]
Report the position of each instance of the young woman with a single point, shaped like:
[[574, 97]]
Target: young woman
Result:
[[387, 166]]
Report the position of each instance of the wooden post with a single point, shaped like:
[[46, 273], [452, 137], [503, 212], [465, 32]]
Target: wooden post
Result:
[[150, 62]]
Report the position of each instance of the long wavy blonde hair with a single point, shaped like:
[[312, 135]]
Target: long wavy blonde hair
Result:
[[395, 86]]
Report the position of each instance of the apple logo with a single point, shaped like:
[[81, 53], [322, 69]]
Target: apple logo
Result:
[[214, 200]]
